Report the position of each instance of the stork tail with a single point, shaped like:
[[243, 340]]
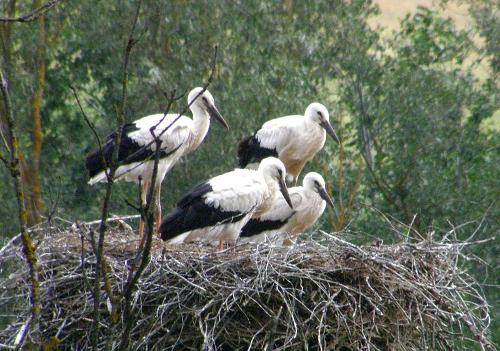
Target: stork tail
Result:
[[250, 151]]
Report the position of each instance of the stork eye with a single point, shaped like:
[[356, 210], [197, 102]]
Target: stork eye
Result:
[[320, 114], [204, 99]]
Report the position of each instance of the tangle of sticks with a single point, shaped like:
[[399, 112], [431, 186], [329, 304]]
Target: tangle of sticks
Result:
[[316, 295]]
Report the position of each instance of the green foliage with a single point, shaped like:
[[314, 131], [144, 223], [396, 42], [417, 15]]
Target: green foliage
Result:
[[487, 17], [259, 76], [422, 114], [407, 106], [412, 93], [427, 39]]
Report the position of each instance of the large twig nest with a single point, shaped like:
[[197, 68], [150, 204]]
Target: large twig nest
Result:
[[316, 296]]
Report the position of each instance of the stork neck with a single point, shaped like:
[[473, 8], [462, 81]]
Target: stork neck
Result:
[[313, 197], [201, 123], [315, 133], [313, 126], [272, 189], [310, 193]]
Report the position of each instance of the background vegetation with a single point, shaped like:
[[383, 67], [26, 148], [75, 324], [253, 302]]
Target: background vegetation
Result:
[[407, 104]]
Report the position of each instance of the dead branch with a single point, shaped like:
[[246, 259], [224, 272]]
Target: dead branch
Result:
[[110, 180], [144, 255], [33, 15]]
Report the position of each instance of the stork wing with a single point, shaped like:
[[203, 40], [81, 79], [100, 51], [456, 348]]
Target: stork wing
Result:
[[276, 133], [240, 190], [137, 142], [223, 199], [172, 129]]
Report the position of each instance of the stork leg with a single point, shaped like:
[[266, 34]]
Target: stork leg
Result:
[[144, 195], [294, 181], [158, 208], [221, 245]]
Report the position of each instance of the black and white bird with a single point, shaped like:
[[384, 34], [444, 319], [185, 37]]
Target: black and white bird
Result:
[[179, 136], [281, 224], [218, 208], [293, 139]]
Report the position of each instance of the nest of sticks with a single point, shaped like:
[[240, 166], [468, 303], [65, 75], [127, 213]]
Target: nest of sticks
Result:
[[316, 295]]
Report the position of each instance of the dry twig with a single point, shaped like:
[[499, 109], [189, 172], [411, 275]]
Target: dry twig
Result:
[[33, 15]]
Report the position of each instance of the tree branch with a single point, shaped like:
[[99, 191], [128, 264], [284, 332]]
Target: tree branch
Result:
[[110, 177], [33, 15], [15, 171], [144, 254], [87, 120]]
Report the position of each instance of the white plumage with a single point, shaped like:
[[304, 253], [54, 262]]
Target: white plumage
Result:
[[293, 139], [179, 136], [175, 139], [219, 208], [281, 223]]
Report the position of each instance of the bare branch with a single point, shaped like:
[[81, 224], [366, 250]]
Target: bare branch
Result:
[[87, 120], [33, 15], [143, 255], [110, 177], [171, 99], [4, 139]]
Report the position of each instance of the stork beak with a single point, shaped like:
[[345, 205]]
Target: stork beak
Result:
[[214, 113], [329, 129], [285, 193], [324, 195]]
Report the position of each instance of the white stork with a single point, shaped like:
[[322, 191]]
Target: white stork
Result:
[[179, 136], [281, 223], [293, 139], [219, 208]]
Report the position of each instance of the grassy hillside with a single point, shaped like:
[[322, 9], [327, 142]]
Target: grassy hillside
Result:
[[393, 11]]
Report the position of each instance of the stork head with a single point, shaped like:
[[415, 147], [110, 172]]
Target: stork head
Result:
[[273, 168], [314, 182], [204, 101], [319, 114]]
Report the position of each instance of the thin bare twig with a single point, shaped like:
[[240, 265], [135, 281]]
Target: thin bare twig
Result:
[[87, 120], [147, 211], [33, 15], [110, 180]]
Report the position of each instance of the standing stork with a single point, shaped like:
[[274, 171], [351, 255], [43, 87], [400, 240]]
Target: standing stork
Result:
[[219, 208], [281, 223], [179, 136], [293, 139]]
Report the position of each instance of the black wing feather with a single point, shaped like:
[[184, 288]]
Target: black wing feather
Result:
[[99, 159], [250, 151], [256, 226], [193, 213]]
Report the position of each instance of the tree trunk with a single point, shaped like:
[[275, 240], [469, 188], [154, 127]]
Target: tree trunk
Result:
[[365, 135], [36, 203], [6, 45], [29, 249], [289, 7]]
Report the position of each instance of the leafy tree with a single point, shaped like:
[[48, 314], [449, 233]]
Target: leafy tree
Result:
[[408, 106]]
